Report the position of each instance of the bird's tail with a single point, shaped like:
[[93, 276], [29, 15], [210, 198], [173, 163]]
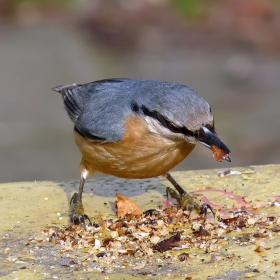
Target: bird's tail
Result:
[[61, 88], [71, 100]]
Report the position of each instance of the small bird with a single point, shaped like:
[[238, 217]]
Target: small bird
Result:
[[133, 128]]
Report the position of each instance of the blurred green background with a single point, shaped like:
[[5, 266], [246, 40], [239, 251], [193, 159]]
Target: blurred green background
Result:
[[228, 51]]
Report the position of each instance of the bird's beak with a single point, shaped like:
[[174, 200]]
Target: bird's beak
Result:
[[210, 140]]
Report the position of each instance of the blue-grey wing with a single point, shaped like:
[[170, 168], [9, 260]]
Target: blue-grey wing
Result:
[[99, 109], [96, 109]]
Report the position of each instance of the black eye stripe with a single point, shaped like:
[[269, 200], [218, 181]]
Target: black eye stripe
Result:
[[134, 107], [162, 120]]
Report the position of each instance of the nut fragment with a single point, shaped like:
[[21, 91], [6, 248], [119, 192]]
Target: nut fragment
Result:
[[126, 206], [218, 153], [162, 230]]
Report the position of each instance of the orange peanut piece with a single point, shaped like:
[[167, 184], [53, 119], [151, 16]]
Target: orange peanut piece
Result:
[[218, 153], [125, 205]]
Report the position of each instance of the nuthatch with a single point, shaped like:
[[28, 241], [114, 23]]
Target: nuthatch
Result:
[[138, 129]]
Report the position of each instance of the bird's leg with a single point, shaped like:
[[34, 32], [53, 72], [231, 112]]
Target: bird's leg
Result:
[[185, 200], [77, 215]]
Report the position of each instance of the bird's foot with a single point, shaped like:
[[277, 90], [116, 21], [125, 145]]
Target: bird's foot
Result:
[[187, 202], [77, 215]]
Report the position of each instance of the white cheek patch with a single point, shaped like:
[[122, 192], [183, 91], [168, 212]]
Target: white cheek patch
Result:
[[154, 126]]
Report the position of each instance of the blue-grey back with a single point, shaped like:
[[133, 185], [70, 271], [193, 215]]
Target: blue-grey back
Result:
[[101, 108]]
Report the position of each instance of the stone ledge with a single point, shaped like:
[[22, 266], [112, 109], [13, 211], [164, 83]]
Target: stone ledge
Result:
[[29, 207]]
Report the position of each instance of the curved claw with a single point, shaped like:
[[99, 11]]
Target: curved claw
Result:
[[204, 208], [191, 208], [185, 200], [76, 220], [77, 215]]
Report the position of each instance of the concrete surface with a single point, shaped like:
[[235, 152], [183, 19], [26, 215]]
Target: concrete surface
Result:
[[29, 208]]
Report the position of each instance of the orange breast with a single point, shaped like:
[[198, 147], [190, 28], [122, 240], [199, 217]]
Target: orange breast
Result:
[[141, 154]]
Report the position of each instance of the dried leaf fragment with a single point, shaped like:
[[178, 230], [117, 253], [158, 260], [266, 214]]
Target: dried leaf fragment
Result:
[[228, 172], [276, 228], [144, 228], [259, 249], [125, 205], [276, 263], [201, 232], [169, 243]]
